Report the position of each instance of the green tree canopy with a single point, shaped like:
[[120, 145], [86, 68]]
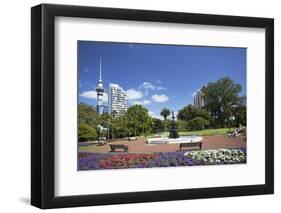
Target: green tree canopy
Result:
[[240, 112], [105, 119], [190, 112], [165, 113], [198, 123], [157, 125], [139, 120], [87, 115], [86, 133], [221, 97], [120, 125], [181, 125]]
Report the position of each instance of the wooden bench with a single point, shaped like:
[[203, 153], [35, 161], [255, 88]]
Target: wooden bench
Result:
[[113, 147], [191, 144]]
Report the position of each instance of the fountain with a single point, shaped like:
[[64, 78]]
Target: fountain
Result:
[[173, 131], [174, 137]]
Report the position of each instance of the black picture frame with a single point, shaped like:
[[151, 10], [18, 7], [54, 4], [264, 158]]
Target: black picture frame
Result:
[[43, 105]]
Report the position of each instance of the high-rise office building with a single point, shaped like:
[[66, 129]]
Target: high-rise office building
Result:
[[198, 99], [117, 100]]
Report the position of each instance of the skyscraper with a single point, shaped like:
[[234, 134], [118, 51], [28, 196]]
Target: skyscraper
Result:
[[198, 99], [117, 100], [100, 91]]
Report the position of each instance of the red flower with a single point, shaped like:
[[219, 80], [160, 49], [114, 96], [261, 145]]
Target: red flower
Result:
[[125, 160]]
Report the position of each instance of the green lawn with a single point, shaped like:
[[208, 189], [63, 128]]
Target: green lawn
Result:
[[222, 131], [90, 148]]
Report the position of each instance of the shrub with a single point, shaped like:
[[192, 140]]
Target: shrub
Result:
[[87, 133]]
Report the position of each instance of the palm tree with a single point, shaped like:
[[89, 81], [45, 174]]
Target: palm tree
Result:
[[165, 113]]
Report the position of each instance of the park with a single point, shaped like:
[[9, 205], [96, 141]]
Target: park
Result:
[[212, 135]]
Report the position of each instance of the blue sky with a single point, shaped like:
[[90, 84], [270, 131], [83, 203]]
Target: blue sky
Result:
[[156, 76]]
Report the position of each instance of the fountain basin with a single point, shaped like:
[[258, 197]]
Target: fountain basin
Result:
[[182, 139]]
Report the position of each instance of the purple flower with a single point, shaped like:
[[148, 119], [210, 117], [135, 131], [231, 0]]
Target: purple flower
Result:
[[95, 161]]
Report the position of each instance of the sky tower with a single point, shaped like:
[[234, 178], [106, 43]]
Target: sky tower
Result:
[[100, 91]]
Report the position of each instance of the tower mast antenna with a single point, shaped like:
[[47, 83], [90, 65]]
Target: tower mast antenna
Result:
[[100, 68]]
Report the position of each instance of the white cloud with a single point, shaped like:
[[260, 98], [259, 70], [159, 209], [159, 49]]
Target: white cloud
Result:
[[92, 94], [86, 70], [154, 115], [89, 94], [133, 94], [143, 102], [160, 98], [147, 86], [151, 113], [160, 88]]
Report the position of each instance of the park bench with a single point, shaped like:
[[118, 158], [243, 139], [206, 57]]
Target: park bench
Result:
[[191, 144], [113, 147]]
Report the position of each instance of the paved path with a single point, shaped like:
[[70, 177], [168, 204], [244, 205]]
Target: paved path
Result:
[[139, 146]]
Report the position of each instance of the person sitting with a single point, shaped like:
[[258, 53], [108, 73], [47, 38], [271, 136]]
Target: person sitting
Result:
[[233, 133]]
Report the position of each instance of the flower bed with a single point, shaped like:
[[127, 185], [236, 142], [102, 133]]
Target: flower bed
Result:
[[89, 161], [168, 159], [219, 156], [126, 160]]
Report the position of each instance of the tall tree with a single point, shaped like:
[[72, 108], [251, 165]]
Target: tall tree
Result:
[[105, 121], [113, 123], [157, 125], [181, 125], [198, 123], [240, 112], [121, 126], [165, 113], [221, 98], [86, 133], [87, 115], [190, 112], [139, 120]]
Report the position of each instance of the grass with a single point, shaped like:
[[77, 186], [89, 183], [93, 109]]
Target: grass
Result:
[[206, 132], [90, 148]]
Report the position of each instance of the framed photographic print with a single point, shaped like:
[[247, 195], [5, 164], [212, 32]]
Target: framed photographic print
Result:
[[139, 106]]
